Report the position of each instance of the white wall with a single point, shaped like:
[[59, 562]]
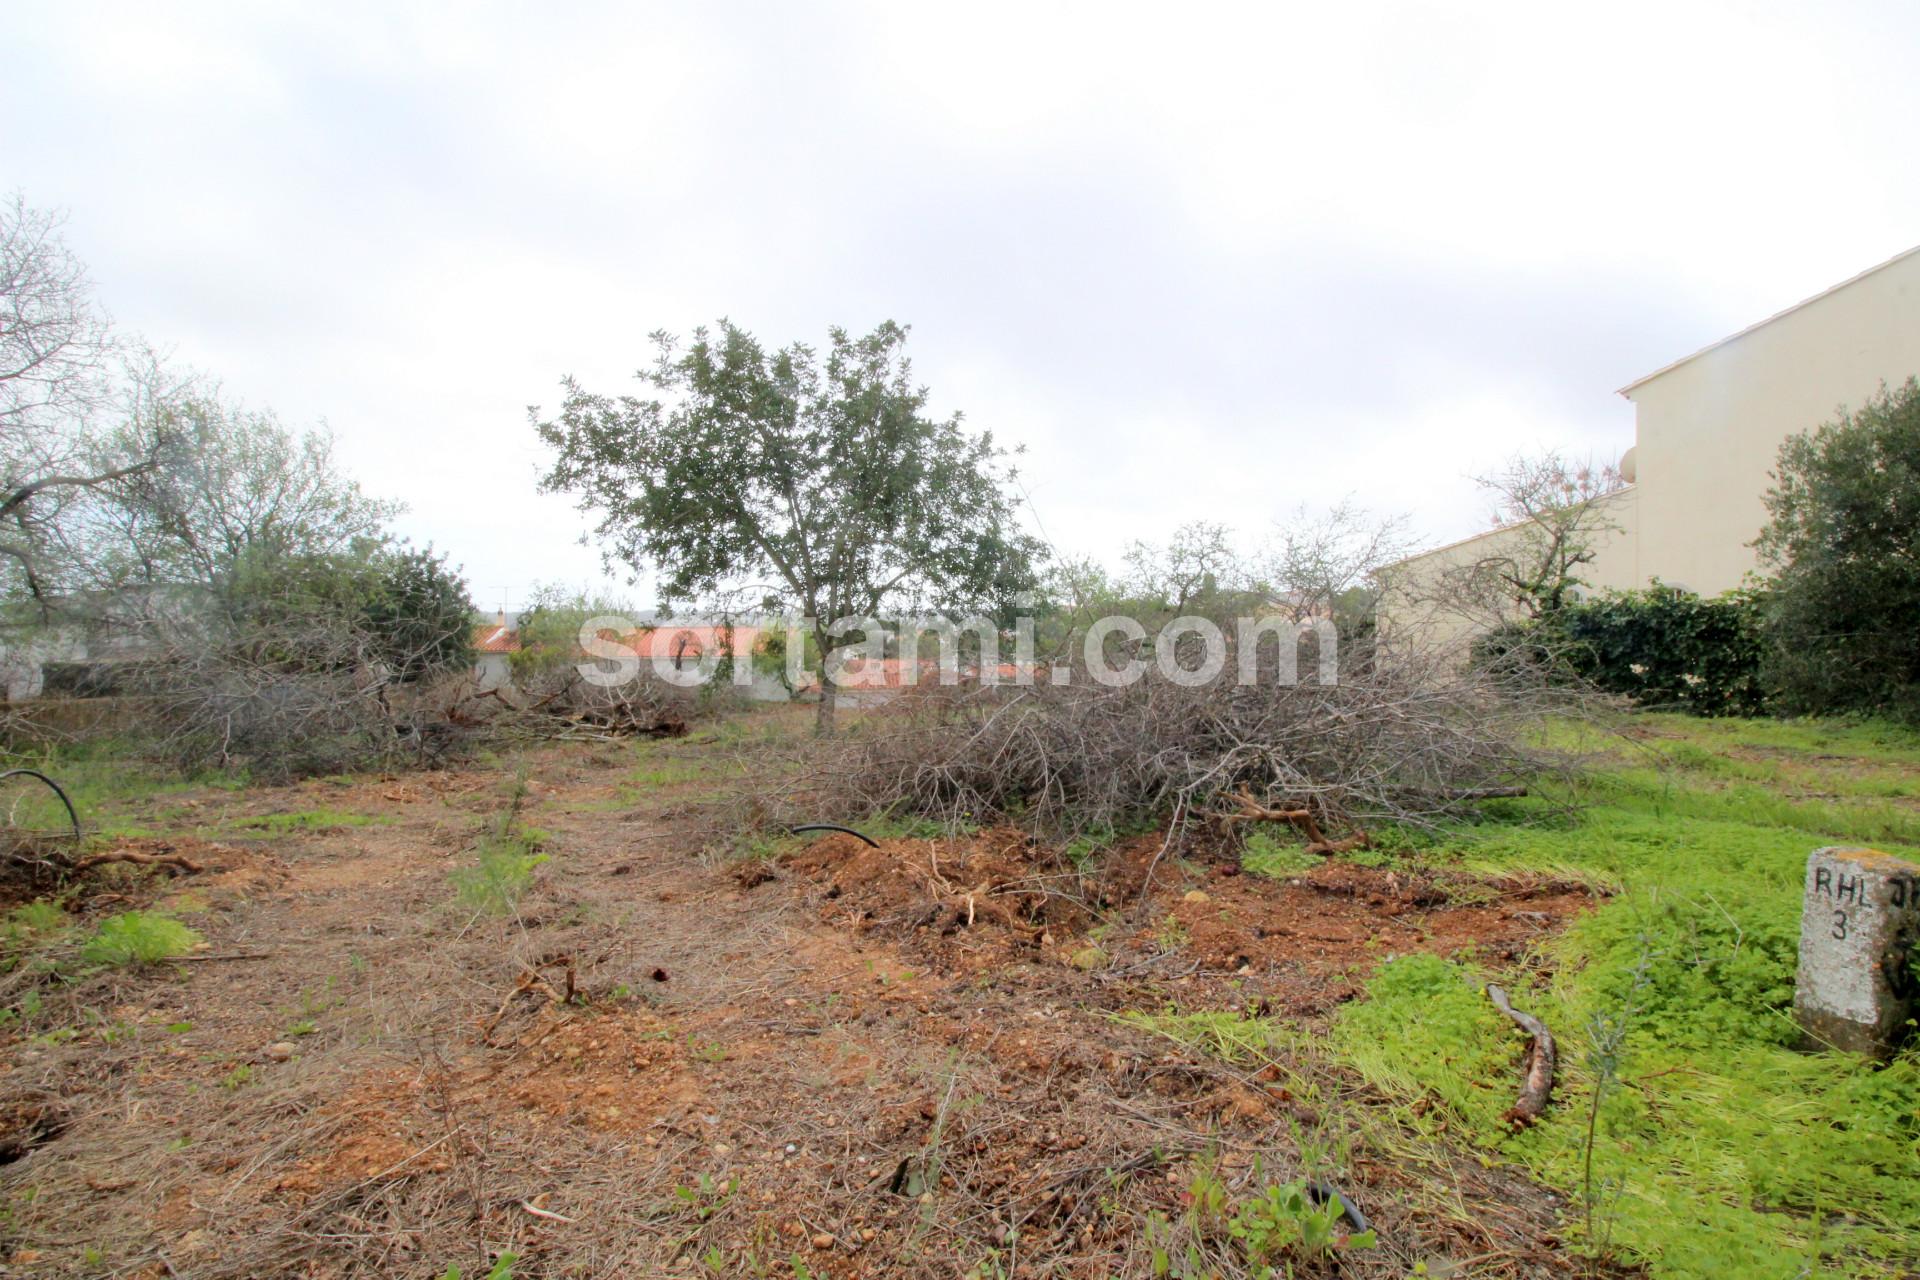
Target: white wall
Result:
[[1709, 429], [1711, 426]]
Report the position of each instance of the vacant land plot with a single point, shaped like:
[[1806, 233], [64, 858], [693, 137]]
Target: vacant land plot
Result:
[[540, 1017]]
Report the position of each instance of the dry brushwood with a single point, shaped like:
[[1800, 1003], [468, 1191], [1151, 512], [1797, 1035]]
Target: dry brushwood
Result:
[[1537, 1089], [530, 980], [1397, 738], [559, 704]]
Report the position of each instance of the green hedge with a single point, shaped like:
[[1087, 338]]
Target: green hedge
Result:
[[1662, 647]]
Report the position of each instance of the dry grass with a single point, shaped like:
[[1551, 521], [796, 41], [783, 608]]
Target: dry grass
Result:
[[652, 1068]]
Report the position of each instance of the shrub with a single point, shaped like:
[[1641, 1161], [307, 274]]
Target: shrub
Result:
[[1667, 647], [1662, 647], [1844, 523]]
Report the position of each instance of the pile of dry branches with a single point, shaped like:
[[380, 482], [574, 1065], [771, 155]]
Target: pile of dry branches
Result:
[[559, 704], [222, 706], [1395, 738]]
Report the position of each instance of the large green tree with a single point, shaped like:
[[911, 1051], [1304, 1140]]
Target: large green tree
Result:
[[1843, 540], [816, 480]]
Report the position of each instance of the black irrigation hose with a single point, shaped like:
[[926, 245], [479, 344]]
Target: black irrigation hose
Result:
[[1325, 1191], [73, 815], [823, 826]]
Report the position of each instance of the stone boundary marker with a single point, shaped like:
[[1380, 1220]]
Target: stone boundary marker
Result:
[[1859, 930]]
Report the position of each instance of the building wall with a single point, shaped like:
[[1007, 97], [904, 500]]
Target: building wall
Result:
[[492, 670], [1414, 607], [1711, 427], [1708, 430]]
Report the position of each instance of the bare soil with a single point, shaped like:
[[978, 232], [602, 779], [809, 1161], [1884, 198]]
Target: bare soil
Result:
[[887, 1062]]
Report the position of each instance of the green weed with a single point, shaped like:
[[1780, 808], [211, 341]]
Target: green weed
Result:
[[279, 824], [1263, 855], [138, 937], [502, 1269], [1284, 1220]]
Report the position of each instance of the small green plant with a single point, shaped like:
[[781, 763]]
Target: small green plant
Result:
[[1207, 1196], [1170, 934], [1606, 1038], [707, 1195], [139, 937], [238, 1078], [1284, 1220], [505, 861], [706, 1050], [502, 1269], [304, 1027], [502, 870]]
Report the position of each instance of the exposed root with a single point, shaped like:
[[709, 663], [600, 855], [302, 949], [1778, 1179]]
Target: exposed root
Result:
[[1537, 1088], [1250, 810], [172, 861]]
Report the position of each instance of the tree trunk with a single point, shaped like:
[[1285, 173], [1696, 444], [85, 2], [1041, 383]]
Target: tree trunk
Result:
[[823, 716]]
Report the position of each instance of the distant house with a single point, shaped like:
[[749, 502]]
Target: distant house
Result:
[[493, 648], [1708, 430], [684, 643], [690, 645]]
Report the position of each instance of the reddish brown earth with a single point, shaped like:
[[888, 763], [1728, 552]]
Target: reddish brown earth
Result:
[[893, 1062], [1300, 945]]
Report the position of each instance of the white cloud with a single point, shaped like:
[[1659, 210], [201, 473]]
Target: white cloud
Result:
[[1207, 262]]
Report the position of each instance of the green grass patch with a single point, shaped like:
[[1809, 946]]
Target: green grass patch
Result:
[[110, 782], [307, 820], [138, 937], [1721, 1149], [1277, 859]]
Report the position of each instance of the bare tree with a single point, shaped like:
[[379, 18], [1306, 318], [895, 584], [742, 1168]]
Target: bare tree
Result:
[[1555, 516], [1322, 563], [72, 398], [1199, 557], [55, 346]]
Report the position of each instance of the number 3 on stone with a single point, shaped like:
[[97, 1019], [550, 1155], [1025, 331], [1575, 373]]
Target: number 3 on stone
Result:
[[1840, 926]]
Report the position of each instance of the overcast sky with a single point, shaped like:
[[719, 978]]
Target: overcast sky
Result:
[[1204, 262]]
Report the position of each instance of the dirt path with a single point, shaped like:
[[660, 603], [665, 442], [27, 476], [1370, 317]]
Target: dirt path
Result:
[[662, 1066]]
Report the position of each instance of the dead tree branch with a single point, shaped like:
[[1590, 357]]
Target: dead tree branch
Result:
[[1537, 1088]]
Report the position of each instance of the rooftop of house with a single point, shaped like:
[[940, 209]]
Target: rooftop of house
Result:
[[496, 637], [691, 640], [1664, 369]]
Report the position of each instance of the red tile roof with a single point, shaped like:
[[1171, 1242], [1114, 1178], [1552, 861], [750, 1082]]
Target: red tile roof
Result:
[[496, 637], [672, 640], [887, 673]]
